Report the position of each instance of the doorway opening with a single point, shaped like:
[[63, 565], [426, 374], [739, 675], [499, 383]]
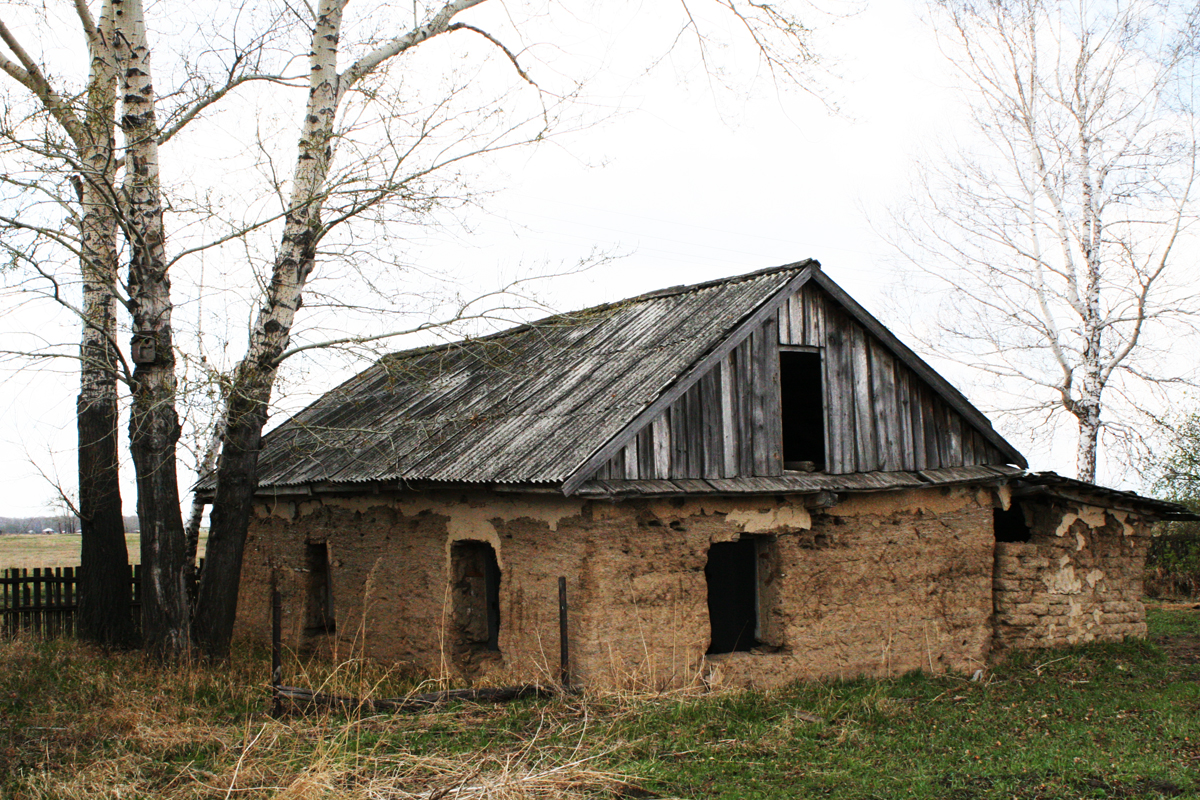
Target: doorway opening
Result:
[[475, 576], [318, 595], [732, 577], [1010, 524]]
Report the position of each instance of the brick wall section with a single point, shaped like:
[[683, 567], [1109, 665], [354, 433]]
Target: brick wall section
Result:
[[879, 584], [1078, 579]]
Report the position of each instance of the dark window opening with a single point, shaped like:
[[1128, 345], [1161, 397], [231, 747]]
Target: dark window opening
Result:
[[1010, 525], [802, 406], [732, 576], [476, 576], [318, 601]]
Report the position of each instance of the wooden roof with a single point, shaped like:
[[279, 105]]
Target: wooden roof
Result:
[[549, 401]]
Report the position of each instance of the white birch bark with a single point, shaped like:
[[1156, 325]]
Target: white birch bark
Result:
[[104, 610], [154, 425], [1080, 154], [254, 376]]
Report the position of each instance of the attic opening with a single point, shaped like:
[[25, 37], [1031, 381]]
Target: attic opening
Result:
[[1010, 524], [802, 408], [733, 598], [475, 596], [318, 590]]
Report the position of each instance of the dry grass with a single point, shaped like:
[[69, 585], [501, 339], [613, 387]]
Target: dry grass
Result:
[[78, 723], [19, 550], [1114, 720]]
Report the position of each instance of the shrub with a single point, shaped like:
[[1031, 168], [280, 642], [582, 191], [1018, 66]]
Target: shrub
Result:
[[1173, 565]]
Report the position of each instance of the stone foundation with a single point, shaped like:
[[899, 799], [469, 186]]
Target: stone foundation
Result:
[[1077, 579], [876, 585]]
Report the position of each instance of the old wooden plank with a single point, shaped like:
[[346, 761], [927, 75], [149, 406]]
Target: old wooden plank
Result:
[[759, 389], [745, 410], [813, 300], [913, 388], [954, 429], [695, 429], [887, 423], [866, 453], [816, 315], [679, 443], [796, 325], [904, 416], [784, 324], [713, 438], [929, 426], [661, 432], [631, 461], [839, 399], [645, 451], [729, 412], [772, 411]]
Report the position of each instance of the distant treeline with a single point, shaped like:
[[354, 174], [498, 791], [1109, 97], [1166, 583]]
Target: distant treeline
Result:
[[58, 524]]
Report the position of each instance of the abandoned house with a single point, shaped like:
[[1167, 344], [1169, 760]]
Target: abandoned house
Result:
[[747, 481]]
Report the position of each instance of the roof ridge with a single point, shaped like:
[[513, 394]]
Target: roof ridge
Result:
[[670, 291]]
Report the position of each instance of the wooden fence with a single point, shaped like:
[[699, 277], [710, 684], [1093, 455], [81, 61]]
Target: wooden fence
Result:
[[43, 600]]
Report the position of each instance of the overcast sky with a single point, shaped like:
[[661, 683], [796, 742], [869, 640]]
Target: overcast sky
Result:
[[686, 184]]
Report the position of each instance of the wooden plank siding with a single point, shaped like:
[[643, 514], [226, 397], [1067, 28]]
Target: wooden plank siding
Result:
[[880, 414]]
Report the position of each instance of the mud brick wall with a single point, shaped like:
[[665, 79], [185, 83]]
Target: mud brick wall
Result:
[[878, 584], [1078, 578]]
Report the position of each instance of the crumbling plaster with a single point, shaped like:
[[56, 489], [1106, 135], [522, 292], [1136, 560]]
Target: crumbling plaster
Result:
[[876, 584], [1077, 579]]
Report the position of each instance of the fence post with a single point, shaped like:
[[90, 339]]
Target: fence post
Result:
[[276, 647], [564, 675], [27, 599]]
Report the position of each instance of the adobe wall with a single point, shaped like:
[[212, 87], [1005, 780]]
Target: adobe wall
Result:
[[879, 584], [1078, 578]]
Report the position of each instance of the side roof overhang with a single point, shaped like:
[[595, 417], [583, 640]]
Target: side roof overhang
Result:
[[1050, 485]]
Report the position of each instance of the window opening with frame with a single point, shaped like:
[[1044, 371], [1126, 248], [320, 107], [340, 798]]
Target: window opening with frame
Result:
[[802, 409]]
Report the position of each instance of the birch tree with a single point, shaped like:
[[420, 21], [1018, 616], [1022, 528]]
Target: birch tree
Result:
[[1058, 229], [82, 135], [116, 198], [154, 424]]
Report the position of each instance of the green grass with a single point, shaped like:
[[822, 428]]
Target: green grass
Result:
[[1098, 721], [1167, 621]]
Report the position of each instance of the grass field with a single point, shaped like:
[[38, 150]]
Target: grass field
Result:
[[1099, 721], [60, 549]]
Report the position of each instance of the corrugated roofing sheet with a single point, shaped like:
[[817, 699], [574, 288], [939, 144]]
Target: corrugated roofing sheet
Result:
[[1053, 484], [527, 405]]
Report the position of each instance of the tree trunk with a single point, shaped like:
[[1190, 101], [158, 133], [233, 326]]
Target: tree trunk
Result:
[[246, 411], [191, 529], [154, 424], [104, 598], [250, 394]]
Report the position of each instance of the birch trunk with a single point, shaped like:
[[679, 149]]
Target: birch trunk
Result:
[[154, 425], [191, 530], [104, 601], [246, 412]]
